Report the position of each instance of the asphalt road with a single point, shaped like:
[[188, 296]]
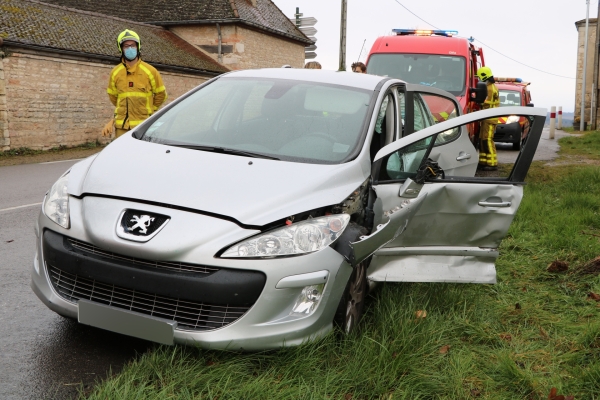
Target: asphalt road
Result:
[[45, 356]]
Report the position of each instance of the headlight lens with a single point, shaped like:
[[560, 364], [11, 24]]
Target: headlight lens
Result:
[[512, 119], [56, 204], [300, 238]]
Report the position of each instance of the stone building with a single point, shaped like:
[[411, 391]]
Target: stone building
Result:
[[55, 58], [591, 84]]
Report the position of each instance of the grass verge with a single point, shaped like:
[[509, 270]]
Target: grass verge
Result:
[[532, 331], [25, 151]]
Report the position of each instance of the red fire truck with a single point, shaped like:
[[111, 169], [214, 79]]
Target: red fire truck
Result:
[[433, 58], [513, 129]]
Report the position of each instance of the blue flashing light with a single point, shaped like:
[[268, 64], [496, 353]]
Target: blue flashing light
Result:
[[424, 32]]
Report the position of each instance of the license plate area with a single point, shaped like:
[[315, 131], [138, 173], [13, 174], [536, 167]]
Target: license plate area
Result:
[[126, 322]]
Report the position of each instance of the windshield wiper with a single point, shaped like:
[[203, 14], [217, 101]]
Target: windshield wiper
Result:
[[222, 150]]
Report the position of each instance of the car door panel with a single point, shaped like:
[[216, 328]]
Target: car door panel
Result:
[[460, 154], [455, 234], [452, 215], [430, 106], [393, 223]]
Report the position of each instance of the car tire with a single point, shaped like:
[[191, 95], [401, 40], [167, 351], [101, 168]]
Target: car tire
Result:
[[351, 306]]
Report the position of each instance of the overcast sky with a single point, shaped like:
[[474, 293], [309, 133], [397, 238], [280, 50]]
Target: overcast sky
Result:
[[541, 34]]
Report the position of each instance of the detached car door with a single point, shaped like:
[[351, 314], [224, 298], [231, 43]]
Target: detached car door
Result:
[[433, 227]]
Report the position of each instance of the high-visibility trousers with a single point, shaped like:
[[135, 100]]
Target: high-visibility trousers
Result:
[[487, 148]]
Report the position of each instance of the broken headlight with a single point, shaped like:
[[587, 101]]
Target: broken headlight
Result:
[[300, 238]]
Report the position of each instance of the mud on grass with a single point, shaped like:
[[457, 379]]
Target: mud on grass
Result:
[[533, 331]]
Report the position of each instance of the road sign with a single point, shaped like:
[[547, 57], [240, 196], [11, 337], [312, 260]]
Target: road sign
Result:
[[306, 26], [308, 30]]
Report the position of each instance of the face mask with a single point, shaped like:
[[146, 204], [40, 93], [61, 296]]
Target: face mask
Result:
[[130, 53]]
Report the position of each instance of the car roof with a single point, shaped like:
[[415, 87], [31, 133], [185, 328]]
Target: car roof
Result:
[[352, 79]]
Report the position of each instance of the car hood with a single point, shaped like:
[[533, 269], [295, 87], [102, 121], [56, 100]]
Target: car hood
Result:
[[253, 191]]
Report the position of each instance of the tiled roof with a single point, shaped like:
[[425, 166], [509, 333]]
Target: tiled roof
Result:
[[265, 15], [26, 22]]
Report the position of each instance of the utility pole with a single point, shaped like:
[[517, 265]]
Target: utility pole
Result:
[[343, 36], [585, 47]]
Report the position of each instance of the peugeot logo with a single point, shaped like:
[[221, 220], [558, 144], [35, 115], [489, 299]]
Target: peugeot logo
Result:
[[140, 226], [142, 222]]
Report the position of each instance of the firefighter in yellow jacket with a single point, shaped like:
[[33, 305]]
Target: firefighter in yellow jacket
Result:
[[135, 88], [488, 160]]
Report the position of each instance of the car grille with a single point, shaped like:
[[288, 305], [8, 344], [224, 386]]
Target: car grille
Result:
[[132, 261], [188, 315]]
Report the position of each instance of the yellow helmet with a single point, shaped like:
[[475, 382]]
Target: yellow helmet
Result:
[[128, 34], [484, 73]]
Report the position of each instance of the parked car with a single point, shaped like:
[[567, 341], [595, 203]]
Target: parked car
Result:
[[254, 211], [513, 129]]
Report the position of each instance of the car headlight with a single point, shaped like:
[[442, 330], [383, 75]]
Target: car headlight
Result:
[[512, 119], [56, 203], [299, 238]]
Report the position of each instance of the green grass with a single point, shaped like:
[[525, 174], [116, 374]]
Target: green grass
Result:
[[25, 151], [532, 331]]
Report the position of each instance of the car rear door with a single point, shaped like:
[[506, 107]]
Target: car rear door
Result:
[[432, 227]]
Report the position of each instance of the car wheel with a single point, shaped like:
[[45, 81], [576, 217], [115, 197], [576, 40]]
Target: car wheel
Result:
[[350, 309]]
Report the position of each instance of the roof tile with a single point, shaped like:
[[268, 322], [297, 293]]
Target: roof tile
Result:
[[34, 23]]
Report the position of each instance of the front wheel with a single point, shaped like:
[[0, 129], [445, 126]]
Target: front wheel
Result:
[[351, 307]]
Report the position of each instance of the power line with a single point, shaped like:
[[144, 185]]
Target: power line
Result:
[[416, 15], [519, 62], [485, 45]]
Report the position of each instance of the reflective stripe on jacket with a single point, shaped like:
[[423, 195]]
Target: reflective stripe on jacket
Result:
[[136, 93]]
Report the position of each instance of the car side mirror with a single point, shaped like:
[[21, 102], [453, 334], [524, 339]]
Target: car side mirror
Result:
[[479, 94], [529, 105]]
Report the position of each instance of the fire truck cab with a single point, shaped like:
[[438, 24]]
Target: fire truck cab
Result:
[[512, 129], [432, 58]]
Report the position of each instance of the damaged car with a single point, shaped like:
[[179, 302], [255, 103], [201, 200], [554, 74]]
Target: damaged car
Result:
[[255, 211]]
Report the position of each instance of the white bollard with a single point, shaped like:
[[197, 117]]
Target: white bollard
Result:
[[552, 121], [559, 119]]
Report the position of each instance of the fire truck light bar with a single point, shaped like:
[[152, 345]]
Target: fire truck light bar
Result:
[[424, 32]]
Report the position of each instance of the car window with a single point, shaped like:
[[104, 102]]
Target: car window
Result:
[[286, 119], [405, 162], [436, 109], [444, 72], [509, 98]]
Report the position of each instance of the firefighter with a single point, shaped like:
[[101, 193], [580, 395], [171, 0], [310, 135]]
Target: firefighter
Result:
[[488, 160], [135, 87]]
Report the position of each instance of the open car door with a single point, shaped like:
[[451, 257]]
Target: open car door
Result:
[[431, 227]]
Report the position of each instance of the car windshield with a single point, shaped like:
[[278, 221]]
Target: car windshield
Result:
[[282, 119], [444, 72], [509, 98]]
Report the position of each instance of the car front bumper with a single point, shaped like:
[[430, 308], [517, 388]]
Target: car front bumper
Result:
[[508, 133], [250, 290]]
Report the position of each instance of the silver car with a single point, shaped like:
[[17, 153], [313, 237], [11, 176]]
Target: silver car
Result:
[[256, 211]]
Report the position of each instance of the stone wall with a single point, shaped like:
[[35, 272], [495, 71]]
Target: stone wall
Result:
[[243, 48], [50, 101], [4, 139]]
